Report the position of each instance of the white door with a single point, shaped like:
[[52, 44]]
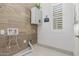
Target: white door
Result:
[[76, 31]]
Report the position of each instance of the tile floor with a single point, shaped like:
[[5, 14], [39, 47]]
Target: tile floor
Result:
[[43, 51]]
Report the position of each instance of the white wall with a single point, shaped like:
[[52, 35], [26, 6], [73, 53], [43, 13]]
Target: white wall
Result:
[[60, 39]]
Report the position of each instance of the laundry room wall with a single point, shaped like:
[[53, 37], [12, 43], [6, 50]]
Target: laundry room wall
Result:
[[16, 16], [62, 39]]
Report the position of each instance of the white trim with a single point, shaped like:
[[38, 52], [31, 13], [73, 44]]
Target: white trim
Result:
[[28, 50]]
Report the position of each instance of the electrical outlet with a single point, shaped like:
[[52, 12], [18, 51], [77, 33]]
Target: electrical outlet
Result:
[[24, 41]]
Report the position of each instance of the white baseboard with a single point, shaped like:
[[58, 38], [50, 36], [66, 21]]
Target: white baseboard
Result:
[[70, 53], [22, 53]]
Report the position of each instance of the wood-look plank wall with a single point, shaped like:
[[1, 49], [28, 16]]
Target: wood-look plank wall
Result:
[[16, 16]]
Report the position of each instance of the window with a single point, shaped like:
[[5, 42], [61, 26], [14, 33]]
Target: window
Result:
[[57, 16]]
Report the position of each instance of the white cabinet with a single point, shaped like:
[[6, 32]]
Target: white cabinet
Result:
[[36, 15]]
